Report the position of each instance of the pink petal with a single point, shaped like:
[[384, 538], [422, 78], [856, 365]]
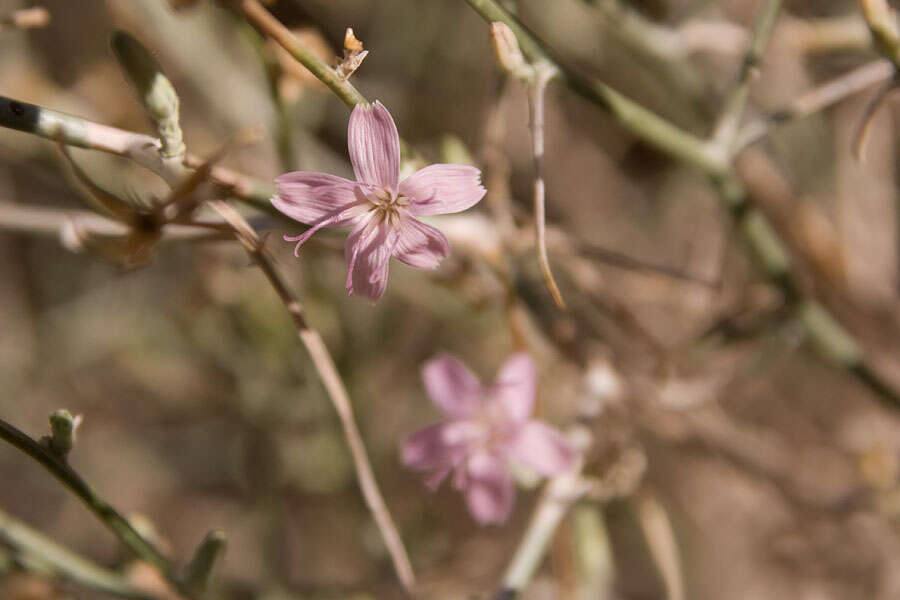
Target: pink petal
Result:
[[437, 448], [420, 245], [427, 450], [308, 197], [489, 489], [374, 145], [368, 251], [442, 189], [452, 386], [542, 449], [337, 218], [515, 386]]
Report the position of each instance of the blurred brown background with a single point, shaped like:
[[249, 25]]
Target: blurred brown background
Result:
[[777, 470]]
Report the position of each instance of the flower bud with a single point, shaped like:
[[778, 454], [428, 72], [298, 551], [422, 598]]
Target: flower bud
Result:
[[506, 49]]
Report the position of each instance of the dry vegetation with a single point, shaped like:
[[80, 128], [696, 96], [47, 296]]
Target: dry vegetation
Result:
[[741, 393]]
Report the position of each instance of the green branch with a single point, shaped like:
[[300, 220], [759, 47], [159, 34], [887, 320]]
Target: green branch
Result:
[[59, 468], [62, 562], [643, 123]]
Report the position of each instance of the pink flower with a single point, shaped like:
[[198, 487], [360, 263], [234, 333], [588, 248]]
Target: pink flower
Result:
[[380, 208], [486, 428]]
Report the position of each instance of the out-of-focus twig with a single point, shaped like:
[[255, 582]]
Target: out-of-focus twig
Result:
[[828, 34], [59, 468], [882, 22], [726, 129], [55, 222], [643, 123], [558, 497], [660, 536], [816, 100], [593, 551], [25, 18], [63, 563], [334, 386]]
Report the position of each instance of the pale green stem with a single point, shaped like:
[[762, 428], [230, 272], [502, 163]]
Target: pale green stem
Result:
[[727, 129], [64, 563], [643, 123], [257, 14], [593, 552], [558, 497]]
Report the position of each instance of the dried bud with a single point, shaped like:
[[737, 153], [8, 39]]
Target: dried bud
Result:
[[353, 55], [351, 44], [506, 49]]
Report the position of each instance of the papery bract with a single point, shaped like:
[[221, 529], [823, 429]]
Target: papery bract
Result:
[[485, 430], [380, 208]]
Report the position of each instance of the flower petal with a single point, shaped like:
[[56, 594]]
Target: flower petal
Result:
[[368, 251], [452, 386], [438, 448], [542, 449], [427, 450], [308, 197], [374, 146], [442, 189], [515, 385], [420, 245], [489, 489]]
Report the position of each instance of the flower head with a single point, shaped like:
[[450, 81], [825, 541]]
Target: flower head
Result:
[[486, 428], [381, 209]]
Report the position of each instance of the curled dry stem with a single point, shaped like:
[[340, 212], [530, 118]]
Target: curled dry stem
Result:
[[543, 74]]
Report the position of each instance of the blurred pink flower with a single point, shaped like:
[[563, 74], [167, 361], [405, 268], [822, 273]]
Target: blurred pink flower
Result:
[[486, 428], [381, 209]]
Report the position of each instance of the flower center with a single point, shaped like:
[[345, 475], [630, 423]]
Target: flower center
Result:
[[495, 426], [387, 206]]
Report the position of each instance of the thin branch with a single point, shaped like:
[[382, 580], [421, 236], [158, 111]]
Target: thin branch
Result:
[[816, 100], [64, 563], [660, 536], [337, 393], [559, 495], [25, 18], [16, 218], [59, 468], [262, 19], [882, 22], [536, 89], [643, 123], [726, 130]]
